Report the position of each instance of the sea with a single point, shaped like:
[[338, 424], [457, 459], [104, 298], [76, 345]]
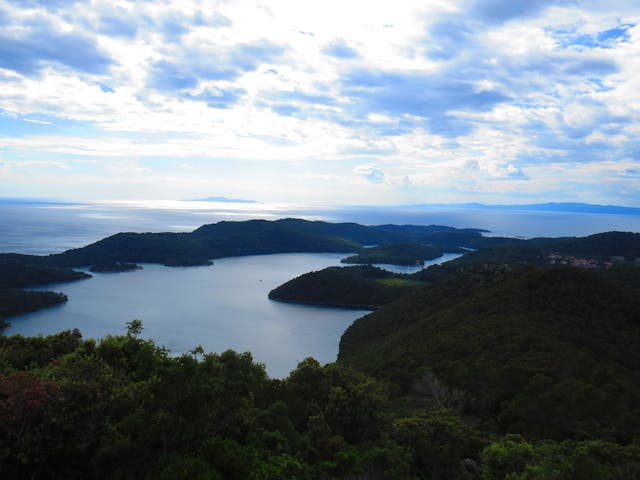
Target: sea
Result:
[[225, 306]]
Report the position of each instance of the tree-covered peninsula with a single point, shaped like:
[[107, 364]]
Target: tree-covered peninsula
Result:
[[19, 272], [358, 287]]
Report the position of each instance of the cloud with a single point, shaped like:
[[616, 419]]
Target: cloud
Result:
[[48, 4], [492, 97], [591, 66], [169, 76], [430, 97], [303, 97], [371, 173], [447, 38], [339, 48], [35, 120], [499, 11], [324, 177], [29, 50], [217, 98], [218, 63], [513, 172], [173, 28], [118, 25]]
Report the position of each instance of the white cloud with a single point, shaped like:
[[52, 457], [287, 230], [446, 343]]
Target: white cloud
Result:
[[402, 96]]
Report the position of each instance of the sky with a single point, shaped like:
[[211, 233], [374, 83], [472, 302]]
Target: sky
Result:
[[331, 102]]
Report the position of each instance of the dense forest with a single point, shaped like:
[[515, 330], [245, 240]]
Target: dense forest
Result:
[[396, 254], [361, 286], [22, 271], [517, 361], [122, 407]]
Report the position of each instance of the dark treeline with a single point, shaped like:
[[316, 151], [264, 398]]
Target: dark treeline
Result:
[[114, 267], [21, 271], [18, 302], [397, 254], [361, 286]]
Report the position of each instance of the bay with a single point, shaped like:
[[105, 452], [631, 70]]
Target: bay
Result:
[[221, 307], [226, 306]]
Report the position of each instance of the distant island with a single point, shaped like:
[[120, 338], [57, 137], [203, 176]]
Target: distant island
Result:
[[574, 207]]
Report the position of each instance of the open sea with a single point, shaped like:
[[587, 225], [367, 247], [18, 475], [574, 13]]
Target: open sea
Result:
[[226, 305]]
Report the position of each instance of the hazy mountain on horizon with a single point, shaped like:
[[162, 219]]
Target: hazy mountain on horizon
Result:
[[575, 207]]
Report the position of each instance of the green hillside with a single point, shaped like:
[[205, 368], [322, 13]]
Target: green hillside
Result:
[[362, 286], [551, 353]]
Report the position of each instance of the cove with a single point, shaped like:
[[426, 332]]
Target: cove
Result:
[[221, 307]]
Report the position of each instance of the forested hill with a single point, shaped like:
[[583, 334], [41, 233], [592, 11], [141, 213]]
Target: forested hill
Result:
[[549, 352], [253, 237], [611, 253]]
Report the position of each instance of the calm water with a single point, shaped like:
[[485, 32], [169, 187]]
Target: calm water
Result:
[[219, 307], [412, 269]]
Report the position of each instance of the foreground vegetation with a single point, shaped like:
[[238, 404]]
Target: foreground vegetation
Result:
[[123, 408]]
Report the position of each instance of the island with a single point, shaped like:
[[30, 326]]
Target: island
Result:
[[113, 267], [402, 254]]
